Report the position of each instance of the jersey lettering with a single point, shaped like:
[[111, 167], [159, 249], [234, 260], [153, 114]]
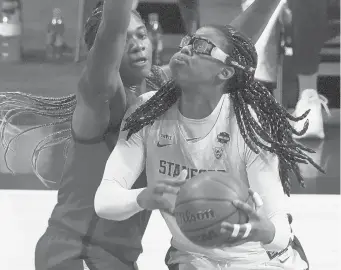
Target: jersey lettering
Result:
[[172, 169]]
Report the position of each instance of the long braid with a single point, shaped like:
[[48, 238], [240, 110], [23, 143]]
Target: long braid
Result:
[[264, 124], [273, 131], [55, 112]]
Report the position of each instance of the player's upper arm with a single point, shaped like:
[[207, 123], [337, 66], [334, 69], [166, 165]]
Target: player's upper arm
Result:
[[93, 114], [126, 161], [100, 86]]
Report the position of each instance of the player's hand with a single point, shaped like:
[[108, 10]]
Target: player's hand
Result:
[[258, 229], [153, 197]]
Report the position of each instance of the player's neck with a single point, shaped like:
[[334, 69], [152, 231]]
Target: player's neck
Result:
[[131, 81], [198, 104], [137, 89]]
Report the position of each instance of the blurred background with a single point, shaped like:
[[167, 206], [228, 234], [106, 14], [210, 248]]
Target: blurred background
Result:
[[42, 52], [27, 64]]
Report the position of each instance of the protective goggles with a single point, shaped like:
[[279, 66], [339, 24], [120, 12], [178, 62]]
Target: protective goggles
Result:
[[206, 47]]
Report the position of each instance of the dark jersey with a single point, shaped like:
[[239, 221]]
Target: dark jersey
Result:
[[75, 212], [75, 208]]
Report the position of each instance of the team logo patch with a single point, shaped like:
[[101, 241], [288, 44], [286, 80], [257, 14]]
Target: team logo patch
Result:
[[218, 152], [165, 140], [166, 137], [223, 137]]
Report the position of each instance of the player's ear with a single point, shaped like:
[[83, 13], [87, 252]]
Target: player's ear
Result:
[[226, 73]]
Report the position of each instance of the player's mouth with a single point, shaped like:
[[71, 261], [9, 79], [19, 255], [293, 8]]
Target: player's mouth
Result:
[[181, 59], [139, 62]]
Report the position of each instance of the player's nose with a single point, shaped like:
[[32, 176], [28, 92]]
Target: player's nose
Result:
[[187, 50]]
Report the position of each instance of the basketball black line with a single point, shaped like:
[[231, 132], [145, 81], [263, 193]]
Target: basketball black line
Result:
[[248, 197], [191, 200], [224, 184], [211, 199], [203, 199], [208, 226], [230, 236]]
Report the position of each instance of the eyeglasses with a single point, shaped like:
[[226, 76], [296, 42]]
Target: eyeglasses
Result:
[[206, 47]]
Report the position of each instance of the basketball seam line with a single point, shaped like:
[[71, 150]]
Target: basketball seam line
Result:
[[231, 189], [228, 238], [203, 199]]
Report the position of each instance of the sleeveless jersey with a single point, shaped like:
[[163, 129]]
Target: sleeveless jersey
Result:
[[74, 212], [222, 149]]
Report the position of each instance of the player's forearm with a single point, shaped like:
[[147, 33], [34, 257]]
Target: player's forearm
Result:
[[114, 202], [104, 58], [116, 15], [100, 80], [114, 198], [263, 176], [253, 21], [282, 233]]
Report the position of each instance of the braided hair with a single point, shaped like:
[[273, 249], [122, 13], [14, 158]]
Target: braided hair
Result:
[[57, 112], [272, 132]]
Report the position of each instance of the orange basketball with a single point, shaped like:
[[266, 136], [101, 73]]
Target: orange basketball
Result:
[[204, 202]]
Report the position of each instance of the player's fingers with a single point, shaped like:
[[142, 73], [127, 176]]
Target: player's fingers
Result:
[[183, 175], [240, 231], [173, 182], [178, 180], [163, 203], [245, 208], [247, 227], [256, 199], [161, 188]]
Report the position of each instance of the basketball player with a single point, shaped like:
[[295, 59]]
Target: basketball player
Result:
[[75, 232], [119, 55], [206, 119]]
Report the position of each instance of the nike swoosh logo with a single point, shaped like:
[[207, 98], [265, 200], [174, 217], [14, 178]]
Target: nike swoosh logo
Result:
[[162, 145], [193, 139]]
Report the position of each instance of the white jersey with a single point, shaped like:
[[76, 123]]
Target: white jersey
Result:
[[168, 153], [164, 149]]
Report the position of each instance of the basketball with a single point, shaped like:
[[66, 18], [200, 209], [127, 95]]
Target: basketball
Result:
[[204, 201]]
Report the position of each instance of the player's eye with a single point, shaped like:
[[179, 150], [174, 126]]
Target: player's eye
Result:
[[142, 34]]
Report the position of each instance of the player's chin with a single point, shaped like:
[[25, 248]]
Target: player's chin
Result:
[[142, 71], [184, 77], [179, 73]]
